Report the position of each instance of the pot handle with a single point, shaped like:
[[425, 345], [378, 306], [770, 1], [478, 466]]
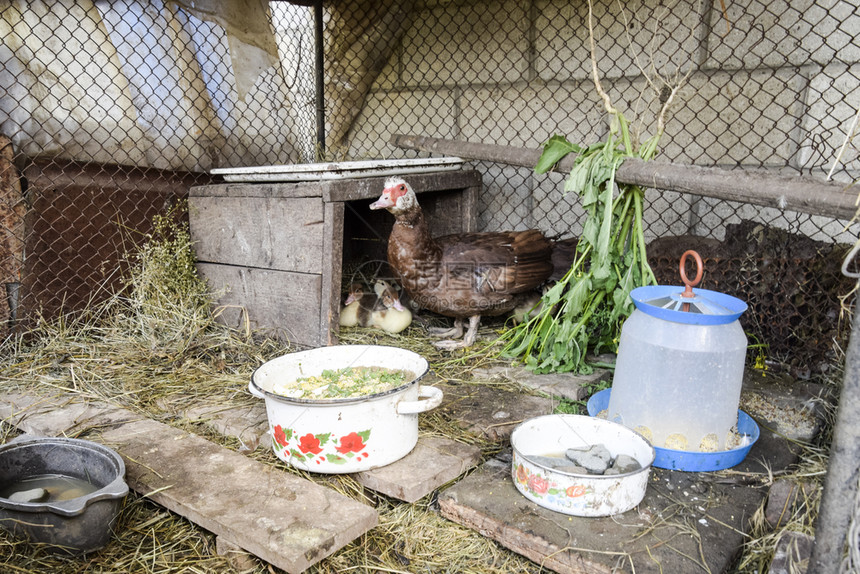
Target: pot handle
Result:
[[255, 391], [433, 396]]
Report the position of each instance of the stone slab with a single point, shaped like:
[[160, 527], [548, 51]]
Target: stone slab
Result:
[[566, 385], [488, 411], [433, 462], [783, 405], [248, 424], [784, 498], [686, 522], [286, 520]]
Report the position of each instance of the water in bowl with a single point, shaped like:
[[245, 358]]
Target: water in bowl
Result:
[[57, 486]]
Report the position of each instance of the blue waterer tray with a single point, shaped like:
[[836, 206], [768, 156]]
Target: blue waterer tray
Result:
[[691, 461]]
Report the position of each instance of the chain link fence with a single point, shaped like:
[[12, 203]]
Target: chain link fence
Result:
[[112, 110]]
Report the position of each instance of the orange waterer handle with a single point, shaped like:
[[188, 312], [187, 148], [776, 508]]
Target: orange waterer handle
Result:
[[700, 269]]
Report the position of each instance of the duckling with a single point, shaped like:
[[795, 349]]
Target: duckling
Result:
[[358, 307], [531, 305], [527, 308], [391, 316]]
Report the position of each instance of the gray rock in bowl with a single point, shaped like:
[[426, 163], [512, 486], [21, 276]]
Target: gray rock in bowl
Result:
[[595, 458], [558, 463], [31, 495]]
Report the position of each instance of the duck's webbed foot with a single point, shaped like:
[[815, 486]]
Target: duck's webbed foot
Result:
[[468, 339], [454, 332]]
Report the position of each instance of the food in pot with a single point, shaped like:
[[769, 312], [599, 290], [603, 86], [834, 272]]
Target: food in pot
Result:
[[342, 383]]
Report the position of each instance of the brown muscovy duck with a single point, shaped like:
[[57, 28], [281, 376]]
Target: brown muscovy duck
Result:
[[464, 275]]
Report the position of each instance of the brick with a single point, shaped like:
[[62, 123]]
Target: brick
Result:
[[792, 554], [784, 498], [647, 32]]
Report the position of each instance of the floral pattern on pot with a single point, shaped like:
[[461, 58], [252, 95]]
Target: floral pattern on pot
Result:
[[541, 487], [322, 447]]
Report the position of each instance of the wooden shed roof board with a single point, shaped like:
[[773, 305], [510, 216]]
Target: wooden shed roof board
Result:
[[337, 170], [339, 190]]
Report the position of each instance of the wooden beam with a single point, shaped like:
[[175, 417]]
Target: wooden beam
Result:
[[68, 176], [788, 193]]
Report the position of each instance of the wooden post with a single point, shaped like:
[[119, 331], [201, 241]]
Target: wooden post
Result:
[[843, 468], [332, 272], [319, 76]]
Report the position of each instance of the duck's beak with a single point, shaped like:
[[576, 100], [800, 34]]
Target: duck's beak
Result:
[[384, 201]]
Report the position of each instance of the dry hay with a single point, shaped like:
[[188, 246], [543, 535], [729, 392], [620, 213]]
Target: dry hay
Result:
[[147, 539], [156, 348]]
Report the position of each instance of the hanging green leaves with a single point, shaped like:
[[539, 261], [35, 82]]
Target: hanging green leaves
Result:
[[583, 312]]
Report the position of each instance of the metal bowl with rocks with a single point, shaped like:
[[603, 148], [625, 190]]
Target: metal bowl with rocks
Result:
[[580, 465]]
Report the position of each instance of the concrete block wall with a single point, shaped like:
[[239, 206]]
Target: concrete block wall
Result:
[[770, 85]]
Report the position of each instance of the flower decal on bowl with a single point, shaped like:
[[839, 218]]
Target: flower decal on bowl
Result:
[[540, 486], [280, 437], [320, 447], [575, 491], [351, 443], [310, 444]]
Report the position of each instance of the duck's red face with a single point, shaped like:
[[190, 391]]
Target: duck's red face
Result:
[[394, 190]]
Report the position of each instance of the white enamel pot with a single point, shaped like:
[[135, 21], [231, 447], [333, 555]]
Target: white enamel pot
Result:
[[351, 434]]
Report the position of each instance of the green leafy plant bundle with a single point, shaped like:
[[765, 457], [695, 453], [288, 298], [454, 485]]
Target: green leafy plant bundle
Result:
[[583, 312]]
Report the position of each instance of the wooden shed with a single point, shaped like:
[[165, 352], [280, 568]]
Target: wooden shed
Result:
[[275, 253]]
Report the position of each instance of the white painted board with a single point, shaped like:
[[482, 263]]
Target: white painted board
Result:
[[338, 170]]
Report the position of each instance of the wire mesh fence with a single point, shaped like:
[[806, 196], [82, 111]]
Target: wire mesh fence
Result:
[[112, 110]]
